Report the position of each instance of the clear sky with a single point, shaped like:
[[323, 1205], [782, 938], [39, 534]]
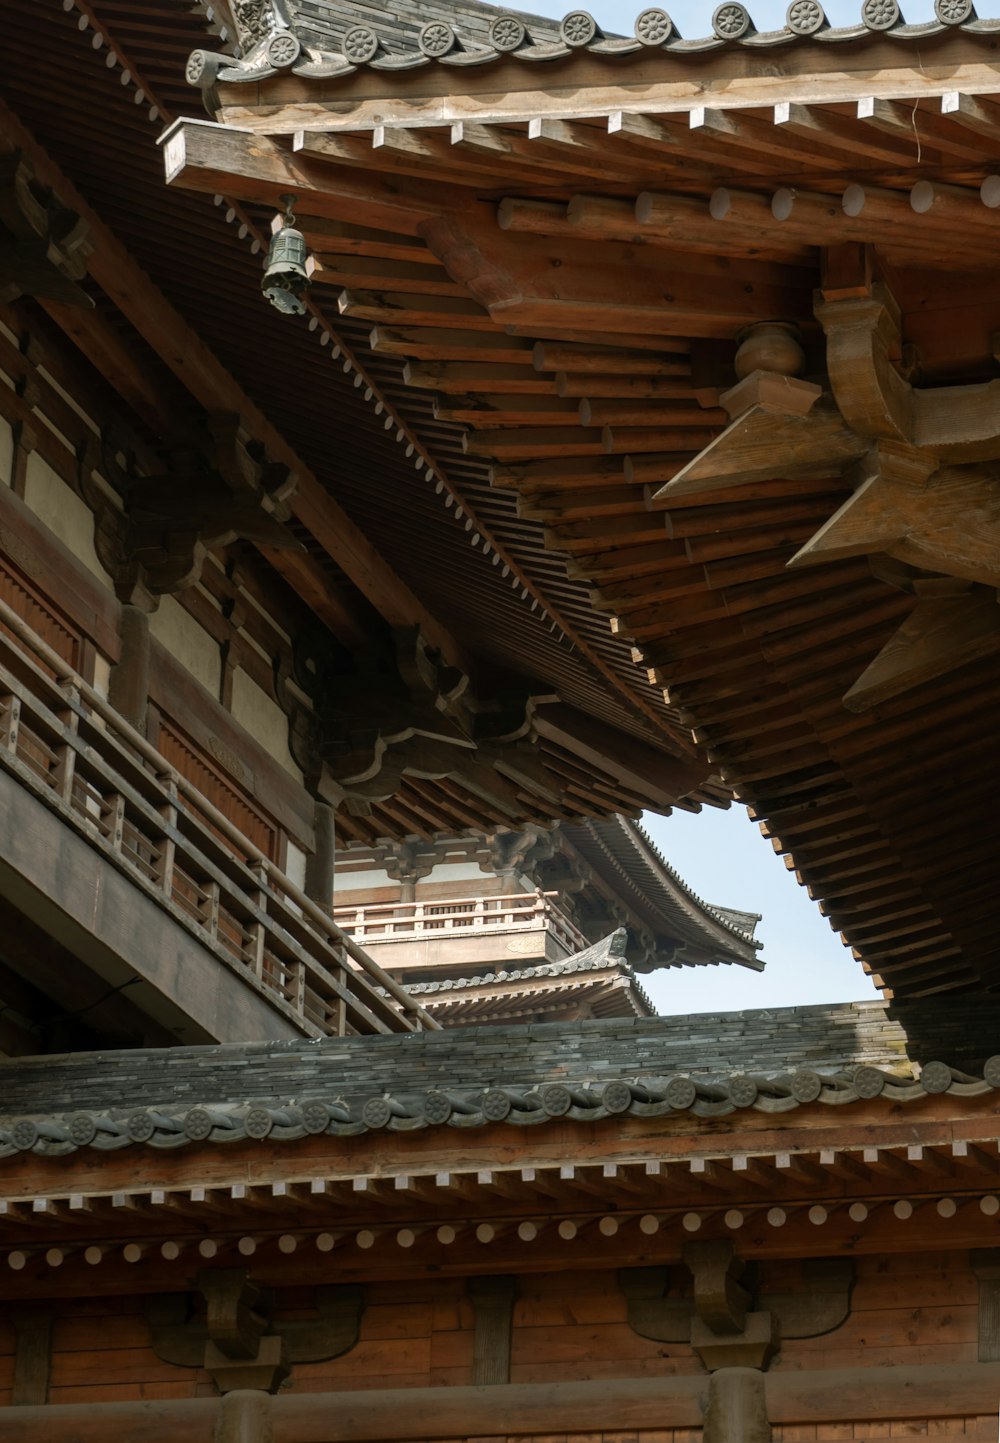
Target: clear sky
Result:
[[724, 858], [693, 18]]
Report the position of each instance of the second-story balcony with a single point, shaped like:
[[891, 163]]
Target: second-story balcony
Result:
[[143, 902], [461, 933]]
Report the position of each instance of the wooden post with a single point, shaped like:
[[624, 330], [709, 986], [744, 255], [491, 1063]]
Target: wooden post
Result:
[[493, 1301], [128, 690], [737, 1408], [321, 862], [32, 1358], [244, 1417]]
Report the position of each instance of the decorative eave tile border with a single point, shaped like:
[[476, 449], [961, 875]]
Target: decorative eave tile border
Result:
[[509, 37], [704, 1097]]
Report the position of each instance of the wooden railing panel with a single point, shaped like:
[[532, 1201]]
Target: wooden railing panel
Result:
[[67, 744]]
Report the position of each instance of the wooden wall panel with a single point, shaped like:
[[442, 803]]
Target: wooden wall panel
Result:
[[101, 1353]]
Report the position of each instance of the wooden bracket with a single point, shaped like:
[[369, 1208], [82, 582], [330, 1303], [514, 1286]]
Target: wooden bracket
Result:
[[44, 245], [214, 490], [237, 1312], [720, 1300], [239, 1341], [952, 423]]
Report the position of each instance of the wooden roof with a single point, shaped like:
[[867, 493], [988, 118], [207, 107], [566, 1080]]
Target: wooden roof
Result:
[[391, 540], [600, 241]]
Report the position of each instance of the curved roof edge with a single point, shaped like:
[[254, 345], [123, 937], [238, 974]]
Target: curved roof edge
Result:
[[725, 933]]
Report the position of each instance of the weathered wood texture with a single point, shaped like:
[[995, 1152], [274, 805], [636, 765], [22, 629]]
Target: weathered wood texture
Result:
[[906, 1312]]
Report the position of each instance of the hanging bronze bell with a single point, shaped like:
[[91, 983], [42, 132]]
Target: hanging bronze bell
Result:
[[286, 269]]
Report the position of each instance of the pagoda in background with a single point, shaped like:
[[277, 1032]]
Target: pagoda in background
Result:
[[533, 925]]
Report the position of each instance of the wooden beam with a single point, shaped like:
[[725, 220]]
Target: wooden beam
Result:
[[943, 519], [761, 444], [200, 371], [806, 1397], [939, 636], [515, 277]]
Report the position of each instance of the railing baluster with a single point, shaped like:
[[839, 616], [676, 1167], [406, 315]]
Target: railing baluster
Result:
[[12, 723], [115, 804], [257, 930], [210, 908]]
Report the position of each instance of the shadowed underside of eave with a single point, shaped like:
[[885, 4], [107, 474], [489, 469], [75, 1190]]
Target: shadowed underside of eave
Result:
[[505, 602], [885, 811]]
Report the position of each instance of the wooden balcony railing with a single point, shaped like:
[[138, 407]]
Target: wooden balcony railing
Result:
[[64, 741], [461, 916]]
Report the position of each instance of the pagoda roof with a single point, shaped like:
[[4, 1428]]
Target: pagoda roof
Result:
[[600, 978], [659, 892]]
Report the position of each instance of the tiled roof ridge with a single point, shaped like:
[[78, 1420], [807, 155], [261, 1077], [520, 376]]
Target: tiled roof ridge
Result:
[[301, 39], [708, 1065], [591, 958], [601, 956], [62, 1134]]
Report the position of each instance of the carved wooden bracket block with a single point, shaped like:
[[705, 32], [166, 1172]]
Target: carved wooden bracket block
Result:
[[752, 1347], [238, 1340], [719, 1300], [863, 349], [717, 1321], [215, 489], [43, 244]]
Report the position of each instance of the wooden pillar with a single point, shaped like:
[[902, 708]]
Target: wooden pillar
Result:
[[128, 690], [493, 1301], [244, 1417], [321, 862], [32, 1357], [737, 1407]]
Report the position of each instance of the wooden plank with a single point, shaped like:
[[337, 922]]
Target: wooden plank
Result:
[[32, 1357]]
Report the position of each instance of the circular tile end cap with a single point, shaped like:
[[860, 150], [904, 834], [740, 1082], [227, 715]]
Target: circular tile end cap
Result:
[[578, 28], [437, 38], [935, 1077], [731, 21], [653, 26]]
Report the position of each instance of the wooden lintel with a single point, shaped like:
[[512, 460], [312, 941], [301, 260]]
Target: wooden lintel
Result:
[[842, 1395]]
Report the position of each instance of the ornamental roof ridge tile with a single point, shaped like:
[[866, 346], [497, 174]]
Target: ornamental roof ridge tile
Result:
[[300, 35], [649, 1067]]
